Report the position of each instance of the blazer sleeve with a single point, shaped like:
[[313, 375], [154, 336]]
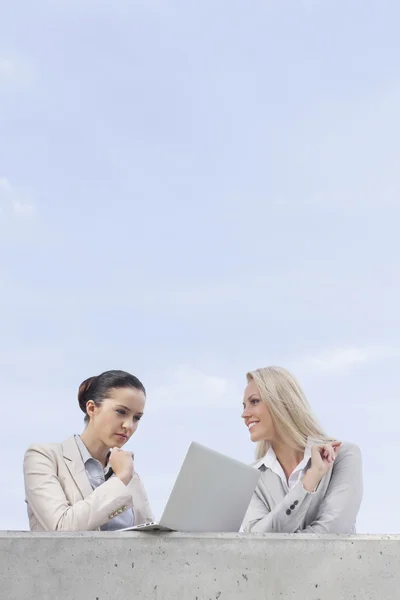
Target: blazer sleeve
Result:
[[338, 510], [143, 512], [148, 516], [286, 516], [48, 502]]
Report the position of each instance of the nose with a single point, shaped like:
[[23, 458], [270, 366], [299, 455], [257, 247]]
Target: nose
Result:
[[245, 413], [128, 426]]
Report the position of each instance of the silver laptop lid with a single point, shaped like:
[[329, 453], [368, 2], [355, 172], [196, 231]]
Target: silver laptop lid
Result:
[[211, 493]]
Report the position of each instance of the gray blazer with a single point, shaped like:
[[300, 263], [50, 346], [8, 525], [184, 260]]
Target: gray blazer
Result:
[[332, 508]]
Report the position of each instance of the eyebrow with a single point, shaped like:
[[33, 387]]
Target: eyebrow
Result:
[[250, 397], [128, 409]]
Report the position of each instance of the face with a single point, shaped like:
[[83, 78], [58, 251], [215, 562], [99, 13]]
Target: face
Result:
[[117, 417], [256, 415]]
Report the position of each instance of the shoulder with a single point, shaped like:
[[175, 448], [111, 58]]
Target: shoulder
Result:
[[41, 459], [46, 450], [349, 449], [348, 457]]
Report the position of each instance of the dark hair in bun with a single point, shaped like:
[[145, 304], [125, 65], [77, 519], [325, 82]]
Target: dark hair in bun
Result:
[[97, 388]]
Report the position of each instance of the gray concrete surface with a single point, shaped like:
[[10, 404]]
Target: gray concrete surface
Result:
[[116, 566]]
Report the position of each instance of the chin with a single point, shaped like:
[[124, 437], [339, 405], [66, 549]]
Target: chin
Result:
[[259, 436], [114, 442]]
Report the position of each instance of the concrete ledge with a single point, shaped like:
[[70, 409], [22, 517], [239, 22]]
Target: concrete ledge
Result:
[[166, 566]]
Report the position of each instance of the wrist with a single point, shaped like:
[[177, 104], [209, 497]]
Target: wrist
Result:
[[124, 476], [311, 480]]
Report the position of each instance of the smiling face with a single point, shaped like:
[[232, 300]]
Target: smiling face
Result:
[[256, 415], [116, 419]]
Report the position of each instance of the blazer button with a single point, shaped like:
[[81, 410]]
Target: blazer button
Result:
[[292, 506], [296, 502], [288, 511]]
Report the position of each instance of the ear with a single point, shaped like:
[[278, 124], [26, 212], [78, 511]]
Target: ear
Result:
[[90, 408]]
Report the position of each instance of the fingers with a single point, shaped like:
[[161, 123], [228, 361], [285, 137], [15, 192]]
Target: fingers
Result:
[[124, 451], [336, 444], [336, 449], [329, 451]]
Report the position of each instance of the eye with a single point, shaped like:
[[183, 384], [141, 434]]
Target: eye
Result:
[[254, 400], [137, 418], [121, 411]]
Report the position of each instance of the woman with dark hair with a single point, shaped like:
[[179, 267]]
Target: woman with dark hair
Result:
[[88, 482]]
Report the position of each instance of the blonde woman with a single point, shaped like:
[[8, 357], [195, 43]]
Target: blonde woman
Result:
[[309, 483]]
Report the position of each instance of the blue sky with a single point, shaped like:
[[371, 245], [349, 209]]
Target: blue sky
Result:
[[189, 191]]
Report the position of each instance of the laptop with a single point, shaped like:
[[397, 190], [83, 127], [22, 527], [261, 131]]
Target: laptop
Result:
[[211, 494]]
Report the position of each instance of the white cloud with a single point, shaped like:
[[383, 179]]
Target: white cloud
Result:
[[13, 201], [186, 386], [15, 72], [21, 208], [338, 359], [5, 187], [7, 68]]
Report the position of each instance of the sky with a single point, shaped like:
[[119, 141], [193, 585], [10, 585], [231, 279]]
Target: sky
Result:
[[189, 191]]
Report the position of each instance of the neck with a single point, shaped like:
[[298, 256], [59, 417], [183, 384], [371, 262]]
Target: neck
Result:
[[96, 448], [288, 457]]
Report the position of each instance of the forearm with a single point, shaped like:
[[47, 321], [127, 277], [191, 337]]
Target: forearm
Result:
[[337, 513], [286, 517], [97, 509], [311, 480], [54, 510], [55, 513]]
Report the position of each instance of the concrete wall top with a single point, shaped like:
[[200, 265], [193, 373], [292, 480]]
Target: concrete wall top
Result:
[[166, 566]]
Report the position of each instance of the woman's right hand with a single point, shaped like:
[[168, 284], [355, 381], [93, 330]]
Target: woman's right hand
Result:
[[121, 462]]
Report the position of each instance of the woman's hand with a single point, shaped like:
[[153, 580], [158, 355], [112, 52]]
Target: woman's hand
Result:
[[121, 462], [322, 458]]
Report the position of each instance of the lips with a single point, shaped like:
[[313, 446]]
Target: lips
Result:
[[252, 424], [122, 436]]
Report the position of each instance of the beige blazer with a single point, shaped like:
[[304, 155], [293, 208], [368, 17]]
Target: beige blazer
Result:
[[60, 498], [332, 508]]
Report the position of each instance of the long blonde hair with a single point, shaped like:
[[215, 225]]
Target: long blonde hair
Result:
[[289, 408]]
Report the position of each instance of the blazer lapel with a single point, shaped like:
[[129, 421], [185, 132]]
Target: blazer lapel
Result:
[[272, 487], [75, 465]]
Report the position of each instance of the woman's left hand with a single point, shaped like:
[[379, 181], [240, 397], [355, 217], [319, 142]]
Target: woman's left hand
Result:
[[322, 458]]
